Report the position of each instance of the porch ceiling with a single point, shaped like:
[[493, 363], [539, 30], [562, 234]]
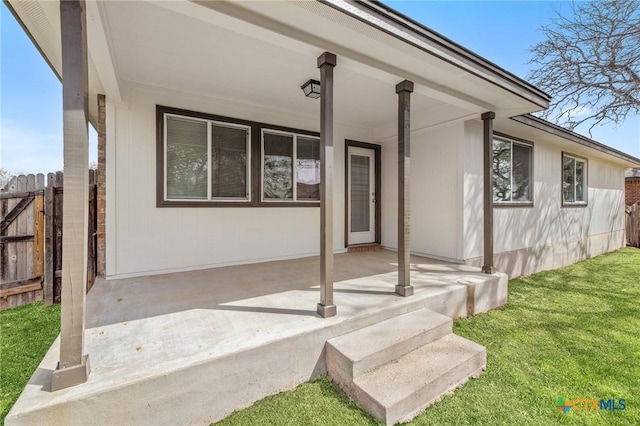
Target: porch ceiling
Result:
[[227, 58], [258, 53]]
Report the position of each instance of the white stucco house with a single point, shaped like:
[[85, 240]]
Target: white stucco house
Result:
[[238, 133]]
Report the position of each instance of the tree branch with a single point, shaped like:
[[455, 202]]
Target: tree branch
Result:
[[590, 61]]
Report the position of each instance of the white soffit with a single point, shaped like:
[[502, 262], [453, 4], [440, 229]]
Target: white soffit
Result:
[[330, 29], [43, 22], [303, 26], [226, 58]]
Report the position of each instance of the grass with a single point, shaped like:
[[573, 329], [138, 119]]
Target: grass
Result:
[[572, 333], [26, 333]]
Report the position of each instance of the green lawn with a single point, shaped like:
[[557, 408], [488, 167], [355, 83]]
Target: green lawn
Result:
[[572, 333], [26, 333]]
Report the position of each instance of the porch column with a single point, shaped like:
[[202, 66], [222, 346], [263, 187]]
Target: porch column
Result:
[[326, 63], [404, 89], [487, 119], [73, 367]]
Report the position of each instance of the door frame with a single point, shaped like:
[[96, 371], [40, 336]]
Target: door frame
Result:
[[377, 150]]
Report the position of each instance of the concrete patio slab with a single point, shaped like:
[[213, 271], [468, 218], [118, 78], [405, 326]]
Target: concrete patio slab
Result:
[[192, 347]]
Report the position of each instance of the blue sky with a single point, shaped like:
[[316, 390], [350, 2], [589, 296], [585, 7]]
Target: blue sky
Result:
[[31, 95], [503, 32], [30, 105]]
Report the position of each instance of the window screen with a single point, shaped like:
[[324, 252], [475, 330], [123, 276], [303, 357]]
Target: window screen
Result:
[[228, 162], [186, 158]]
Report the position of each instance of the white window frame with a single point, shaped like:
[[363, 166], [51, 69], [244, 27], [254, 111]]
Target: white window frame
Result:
[[511, 202], [210, 123], [585, 189], [294, 165]]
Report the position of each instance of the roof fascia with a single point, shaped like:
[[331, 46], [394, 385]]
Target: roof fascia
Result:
[[554, 129], [460, 56]]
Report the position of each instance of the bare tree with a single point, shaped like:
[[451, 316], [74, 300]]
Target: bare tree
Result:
[[5, 177], [590, 63]]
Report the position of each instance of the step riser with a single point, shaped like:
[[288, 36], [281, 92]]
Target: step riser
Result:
[[396, 368], [343, 369], [401, 348], [404, 386], [365, 349], [339, 367], [432, 392], [435, 390], [364, 401]]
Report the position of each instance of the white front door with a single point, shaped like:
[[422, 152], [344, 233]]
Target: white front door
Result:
[[362, 195]]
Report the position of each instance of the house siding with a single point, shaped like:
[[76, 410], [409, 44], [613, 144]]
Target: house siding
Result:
[[143, 239], [547, 235], [436, 218], [473, 202], [446, 200]]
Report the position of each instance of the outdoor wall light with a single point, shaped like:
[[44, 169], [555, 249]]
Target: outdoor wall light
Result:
[[311, 89]]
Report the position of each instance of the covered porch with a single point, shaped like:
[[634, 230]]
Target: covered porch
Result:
[[210, 341], [176, 340]]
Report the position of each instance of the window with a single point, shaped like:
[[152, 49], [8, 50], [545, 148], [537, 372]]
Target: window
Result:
[[290, 167], [206, 160], [186, 156], [210, 160], [512, 171], [574, 180]]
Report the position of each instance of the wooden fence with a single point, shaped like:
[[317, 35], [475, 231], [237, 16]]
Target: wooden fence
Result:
[[31, 238], [633, 224]]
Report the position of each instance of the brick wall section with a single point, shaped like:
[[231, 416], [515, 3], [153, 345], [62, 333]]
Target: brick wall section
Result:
[[364, 247], [631, 191], [101, 213]]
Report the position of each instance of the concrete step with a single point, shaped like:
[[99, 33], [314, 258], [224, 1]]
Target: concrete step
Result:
[[400, 390], [360, 351]]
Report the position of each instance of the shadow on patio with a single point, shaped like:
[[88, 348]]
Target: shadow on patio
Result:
[[365, 274], [253, 327]]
